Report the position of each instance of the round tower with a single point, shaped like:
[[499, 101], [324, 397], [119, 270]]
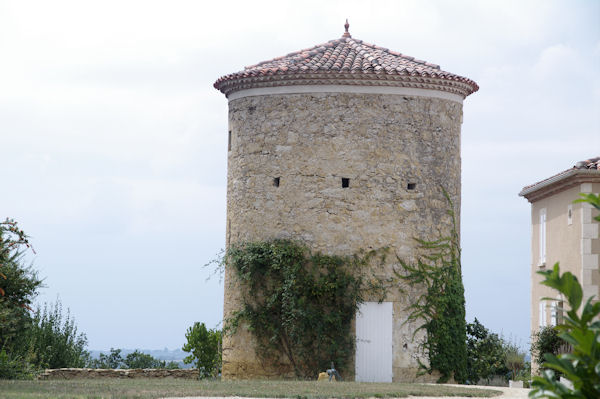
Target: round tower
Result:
[[343, 146]]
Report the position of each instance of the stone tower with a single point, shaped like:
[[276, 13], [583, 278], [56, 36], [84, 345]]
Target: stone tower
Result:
[[343, 146]]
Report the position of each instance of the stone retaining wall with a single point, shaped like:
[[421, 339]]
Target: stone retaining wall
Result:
[[73, 373]]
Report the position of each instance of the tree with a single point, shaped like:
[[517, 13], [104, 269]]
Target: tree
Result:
[[204, 347], [485, 353], [18, 287], [140, 360], [113, 360], [514, 359]]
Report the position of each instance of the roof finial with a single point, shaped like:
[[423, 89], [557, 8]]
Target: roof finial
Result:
[[347, 26]]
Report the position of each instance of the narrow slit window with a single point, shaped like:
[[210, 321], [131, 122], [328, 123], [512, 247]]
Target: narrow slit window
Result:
[[411, 186], [276, 182], [345, 182], [229, 141]]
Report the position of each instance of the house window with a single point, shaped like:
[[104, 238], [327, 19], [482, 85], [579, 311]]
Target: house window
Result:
[[543, 321], [556, 313], [570, 214], [542, 237]]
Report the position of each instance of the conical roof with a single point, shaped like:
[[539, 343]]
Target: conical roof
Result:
[[346, 61]]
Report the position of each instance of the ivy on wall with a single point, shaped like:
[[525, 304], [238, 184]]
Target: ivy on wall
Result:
[[440, 307], [300, 304]]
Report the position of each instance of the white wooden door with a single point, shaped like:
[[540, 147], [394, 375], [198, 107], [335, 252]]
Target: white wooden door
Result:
[[374, 342]]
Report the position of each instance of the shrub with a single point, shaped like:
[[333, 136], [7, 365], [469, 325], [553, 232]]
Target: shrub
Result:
[[204, 346], [514, 359], [54, 341], [546, 340], [140, 360], [581, 329], [19, 284], [485, 353], [14, 367]]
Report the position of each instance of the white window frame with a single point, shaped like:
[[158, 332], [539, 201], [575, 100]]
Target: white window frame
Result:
[[542, 318], [542, 231], [553, 313]]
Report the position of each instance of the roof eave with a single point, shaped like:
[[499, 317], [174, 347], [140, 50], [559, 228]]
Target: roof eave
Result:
[[558, 183]]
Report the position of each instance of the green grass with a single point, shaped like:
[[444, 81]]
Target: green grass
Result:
[[161, 388]]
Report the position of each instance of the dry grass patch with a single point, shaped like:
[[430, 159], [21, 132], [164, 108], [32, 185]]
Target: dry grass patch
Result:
[[161, 388]]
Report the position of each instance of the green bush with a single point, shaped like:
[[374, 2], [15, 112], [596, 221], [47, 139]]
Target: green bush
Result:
[[485, 354], [581, 329], [54, 341], [514, 360], [204, 346], [19, 284], [15, 367], [546, 340]]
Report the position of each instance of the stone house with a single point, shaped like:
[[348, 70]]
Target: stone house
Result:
[[344, 146], [565, 232]]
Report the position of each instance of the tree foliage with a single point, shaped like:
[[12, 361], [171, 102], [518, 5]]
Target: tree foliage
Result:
[[204, 346], [441, 305], [18, 287], [140, 360], [581, 329], [112, 360], [546, 340], [514, 359], [54, 341], [30, 340], [299, 305], [485, 353], [133, 360]]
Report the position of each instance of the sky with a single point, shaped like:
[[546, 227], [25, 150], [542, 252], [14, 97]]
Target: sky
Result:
[[114, 140]]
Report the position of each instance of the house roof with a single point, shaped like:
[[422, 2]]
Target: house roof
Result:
[[583, 171], [346, 61]]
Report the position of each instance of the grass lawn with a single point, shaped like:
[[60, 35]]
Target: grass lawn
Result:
[[161, 388]]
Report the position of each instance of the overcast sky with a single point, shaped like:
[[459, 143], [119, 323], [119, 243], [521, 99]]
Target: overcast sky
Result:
[[114, 140]]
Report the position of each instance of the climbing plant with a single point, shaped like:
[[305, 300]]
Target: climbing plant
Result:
[[300, 304], [440, 306]]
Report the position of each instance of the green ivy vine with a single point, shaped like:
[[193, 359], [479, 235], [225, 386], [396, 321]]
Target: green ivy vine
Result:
[[441, 305], [300, 304]]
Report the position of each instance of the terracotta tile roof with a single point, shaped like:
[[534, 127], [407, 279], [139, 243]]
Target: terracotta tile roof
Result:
[[587, 166], [346, 61], [592, 163]]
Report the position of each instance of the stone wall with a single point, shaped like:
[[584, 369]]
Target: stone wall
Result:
[[397, 151], [73, 373]]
